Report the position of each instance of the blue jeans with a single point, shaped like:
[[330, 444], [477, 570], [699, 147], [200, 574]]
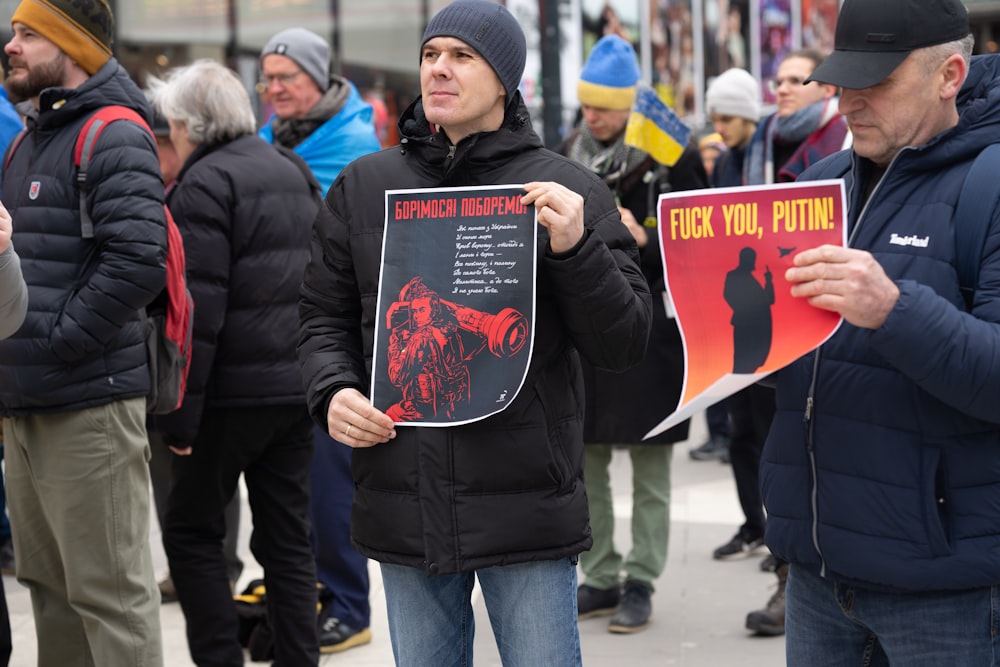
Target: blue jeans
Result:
[[532, 608], [829, 624]]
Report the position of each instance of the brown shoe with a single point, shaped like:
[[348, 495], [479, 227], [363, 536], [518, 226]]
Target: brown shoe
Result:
[[770, 620]]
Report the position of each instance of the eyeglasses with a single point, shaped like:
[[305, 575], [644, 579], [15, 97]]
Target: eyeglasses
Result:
[[775, 83], [284, 79]]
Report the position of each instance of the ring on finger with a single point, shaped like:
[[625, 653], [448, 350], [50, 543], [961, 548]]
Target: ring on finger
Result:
[[348, 431]]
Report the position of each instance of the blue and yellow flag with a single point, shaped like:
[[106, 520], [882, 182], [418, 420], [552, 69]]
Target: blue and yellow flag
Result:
[[654, 128]]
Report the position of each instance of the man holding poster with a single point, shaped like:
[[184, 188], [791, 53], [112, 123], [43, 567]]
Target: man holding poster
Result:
[[501, 498], [881, 472]]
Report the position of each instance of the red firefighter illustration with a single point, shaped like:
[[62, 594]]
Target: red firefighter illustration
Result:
[[428, 356]]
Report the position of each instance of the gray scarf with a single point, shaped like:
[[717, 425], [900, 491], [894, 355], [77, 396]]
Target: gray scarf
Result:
[[293, 131], [612, 162]]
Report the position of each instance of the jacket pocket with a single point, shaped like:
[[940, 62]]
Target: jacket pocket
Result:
[[934, 493]]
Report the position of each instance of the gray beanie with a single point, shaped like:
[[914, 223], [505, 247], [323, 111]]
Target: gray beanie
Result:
[[307, 49], [734, 93], [491, 30]]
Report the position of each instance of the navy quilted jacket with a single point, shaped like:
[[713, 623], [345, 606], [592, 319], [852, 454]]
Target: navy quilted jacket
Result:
[[82, 344], [893, 481]]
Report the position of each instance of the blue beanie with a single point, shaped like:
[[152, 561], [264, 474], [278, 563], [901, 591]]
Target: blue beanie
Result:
[[491, 30], [609, 77]]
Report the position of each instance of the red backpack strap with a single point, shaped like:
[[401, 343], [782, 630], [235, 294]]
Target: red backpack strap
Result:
[[12, 146], [84, 149]]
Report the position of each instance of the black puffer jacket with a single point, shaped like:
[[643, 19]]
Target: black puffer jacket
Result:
[[82, 343], [245, 211], [507, 489]]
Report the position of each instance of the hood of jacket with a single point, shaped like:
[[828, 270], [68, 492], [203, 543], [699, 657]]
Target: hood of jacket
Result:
[[477, 153], [978, 124], [109, 86]]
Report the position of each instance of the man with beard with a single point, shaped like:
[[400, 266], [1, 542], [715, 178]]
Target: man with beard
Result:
[[321, 117], [74, 378]]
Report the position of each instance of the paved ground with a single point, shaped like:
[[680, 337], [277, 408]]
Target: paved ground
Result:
[[698, 608]]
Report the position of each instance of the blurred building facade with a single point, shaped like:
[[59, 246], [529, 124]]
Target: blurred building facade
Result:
[[682, 44]]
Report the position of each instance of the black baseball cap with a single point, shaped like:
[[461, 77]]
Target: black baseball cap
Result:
[[874, 36]]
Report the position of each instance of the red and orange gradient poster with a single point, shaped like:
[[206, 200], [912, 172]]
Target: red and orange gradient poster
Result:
[[725, 253]]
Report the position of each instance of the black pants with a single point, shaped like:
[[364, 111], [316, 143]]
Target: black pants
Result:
[[272, 446], [750, 414], [161, 460], [717, 418]]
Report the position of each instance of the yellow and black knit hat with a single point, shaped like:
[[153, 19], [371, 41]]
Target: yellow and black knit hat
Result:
[[82, 30]]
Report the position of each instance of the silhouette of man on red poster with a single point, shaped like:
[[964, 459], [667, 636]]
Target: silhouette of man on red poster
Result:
[[751, 320]]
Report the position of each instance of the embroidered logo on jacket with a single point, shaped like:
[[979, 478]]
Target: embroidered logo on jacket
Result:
[[33, 190], [915, 241]]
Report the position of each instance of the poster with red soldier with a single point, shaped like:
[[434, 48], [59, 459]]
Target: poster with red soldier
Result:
[[456, 304], [725, 253]]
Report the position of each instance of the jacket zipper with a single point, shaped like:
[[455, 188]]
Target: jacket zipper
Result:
[[807, 419]]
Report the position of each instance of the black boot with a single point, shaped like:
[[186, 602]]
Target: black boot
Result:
[[771, 619], [591, 601], [634, 610]]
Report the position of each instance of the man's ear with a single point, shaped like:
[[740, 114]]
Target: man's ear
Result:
[[953, 72]]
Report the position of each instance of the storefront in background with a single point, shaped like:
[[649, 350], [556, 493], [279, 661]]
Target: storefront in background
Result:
[[682, 44]]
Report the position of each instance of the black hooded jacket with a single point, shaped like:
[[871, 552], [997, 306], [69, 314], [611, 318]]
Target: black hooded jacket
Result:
[[509, 488], [245, 209]]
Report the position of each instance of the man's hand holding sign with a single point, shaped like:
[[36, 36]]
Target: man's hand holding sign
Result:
[[846, 281]]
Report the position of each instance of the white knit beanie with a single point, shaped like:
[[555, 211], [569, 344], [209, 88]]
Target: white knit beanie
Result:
[[734, 93]]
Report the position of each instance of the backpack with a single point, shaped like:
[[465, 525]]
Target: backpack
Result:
[[254, 631], [976, 202], [253, 626], [168, 322]]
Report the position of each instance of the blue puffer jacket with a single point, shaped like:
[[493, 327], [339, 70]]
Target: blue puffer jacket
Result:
[[348, 134], [893, 482]]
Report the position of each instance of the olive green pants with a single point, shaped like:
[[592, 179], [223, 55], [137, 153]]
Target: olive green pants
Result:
[[78, 493], [603, 565]]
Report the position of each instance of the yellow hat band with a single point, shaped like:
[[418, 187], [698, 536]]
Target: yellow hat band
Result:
[[604, 97]]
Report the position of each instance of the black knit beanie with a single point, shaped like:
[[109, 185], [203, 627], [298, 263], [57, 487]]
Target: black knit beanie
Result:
[[491, 30]]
